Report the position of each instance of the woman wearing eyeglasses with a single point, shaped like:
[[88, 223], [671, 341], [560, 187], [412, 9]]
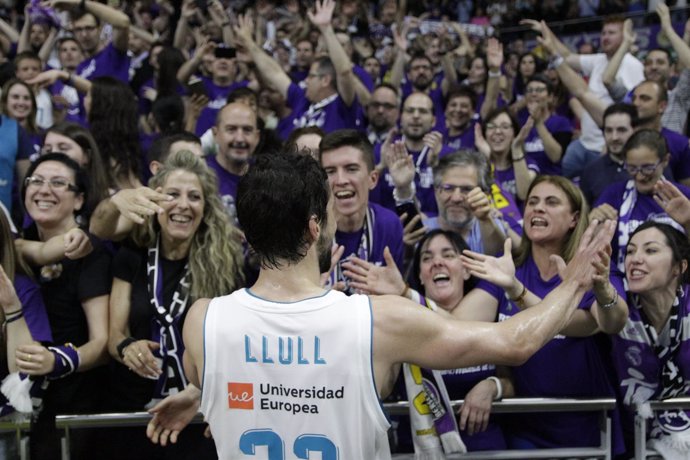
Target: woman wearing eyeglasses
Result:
[[501, 140], [633, 202], [76, 295]]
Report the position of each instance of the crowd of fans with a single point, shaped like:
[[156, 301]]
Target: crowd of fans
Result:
[[459, 165]]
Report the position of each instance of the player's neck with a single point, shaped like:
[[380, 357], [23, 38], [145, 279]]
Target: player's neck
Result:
[[290, 283]]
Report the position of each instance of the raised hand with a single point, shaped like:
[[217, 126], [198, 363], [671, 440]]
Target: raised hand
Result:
[[136, 204], [664, 14], [494, 53], [519, 140], [244, 31], [480, 204], [374, 279], [582, 268], [672, 201], [433, 140], [400, 165], [497, 270], [323, 13]]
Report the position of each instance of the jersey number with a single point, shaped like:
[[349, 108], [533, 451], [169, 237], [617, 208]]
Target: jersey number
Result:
[[303, 446]]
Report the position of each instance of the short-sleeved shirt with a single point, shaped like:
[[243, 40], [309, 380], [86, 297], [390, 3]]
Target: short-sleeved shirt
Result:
[[329, 114], [561, 129], [217, 98], [227, 185], [108, 62]]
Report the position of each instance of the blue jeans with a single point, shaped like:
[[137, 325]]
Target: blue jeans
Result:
[[576, 158]]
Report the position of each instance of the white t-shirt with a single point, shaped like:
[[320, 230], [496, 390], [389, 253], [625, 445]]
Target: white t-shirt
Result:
[[630, 74]]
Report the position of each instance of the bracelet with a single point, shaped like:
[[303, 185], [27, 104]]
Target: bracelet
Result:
[[124, 344], [518, 159], [495, 74], [405, 291], [10, 313], [520, 300], [613, 301], [499, 387], [14, 318]]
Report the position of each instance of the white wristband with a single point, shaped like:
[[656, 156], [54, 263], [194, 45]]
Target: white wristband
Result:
[[499, 387]]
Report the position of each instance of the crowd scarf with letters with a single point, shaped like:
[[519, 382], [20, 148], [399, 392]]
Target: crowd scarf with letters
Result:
[[624, 215], [624, 225], [364, 250], [315, 114], [432, 420], [164, 327], [670, 429]]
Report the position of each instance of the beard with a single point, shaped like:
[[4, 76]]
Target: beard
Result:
[[456, 221], [323, 249]]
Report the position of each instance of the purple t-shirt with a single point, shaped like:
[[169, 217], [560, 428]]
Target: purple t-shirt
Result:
[[227, 186], [329, 114], [387, 231], [565, 367], [464, 140], [506, 178], [74, 108], [218, 97], [109, 62], [534, 147], [644, 209], [679, 150], [424, 182]]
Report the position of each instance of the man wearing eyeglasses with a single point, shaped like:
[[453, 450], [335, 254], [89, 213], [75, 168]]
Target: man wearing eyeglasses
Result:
[[102, 59], [424, 145], [650, 98], [383, 111], [461, 184]]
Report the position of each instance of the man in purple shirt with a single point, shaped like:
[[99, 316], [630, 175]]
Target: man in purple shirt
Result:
[[460, 118], [237, 134], [329, 100], [102, 59], [650, 99], [425, 146], [217, 87], [304, 57], [364, 229]]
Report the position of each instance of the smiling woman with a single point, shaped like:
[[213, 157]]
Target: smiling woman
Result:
[[632, 202], [76, 293], [652, 352], [189, 251]]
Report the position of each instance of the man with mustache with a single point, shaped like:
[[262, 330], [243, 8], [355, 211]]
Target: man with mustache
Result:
[[237, 134]]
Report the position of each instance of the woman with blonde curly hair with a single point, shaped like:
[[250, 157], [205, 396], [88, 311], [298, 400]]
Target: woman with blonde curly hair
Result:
[[189, 251]]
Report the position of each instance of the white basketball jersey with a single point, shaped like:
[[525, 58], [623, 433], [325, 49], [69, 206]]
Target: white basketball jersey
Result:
[[292, 380]]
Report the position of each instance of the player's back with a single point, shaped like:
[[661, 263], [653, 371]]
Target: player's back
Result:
[[281, 380]]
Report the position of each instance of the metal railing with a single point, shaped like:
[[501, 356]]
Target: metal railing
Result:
[[21, 425]]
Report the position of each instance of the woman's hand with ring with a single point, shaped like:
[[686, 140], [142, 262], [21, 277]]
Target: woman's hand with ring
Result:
[[34, 359], [138, 357]]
